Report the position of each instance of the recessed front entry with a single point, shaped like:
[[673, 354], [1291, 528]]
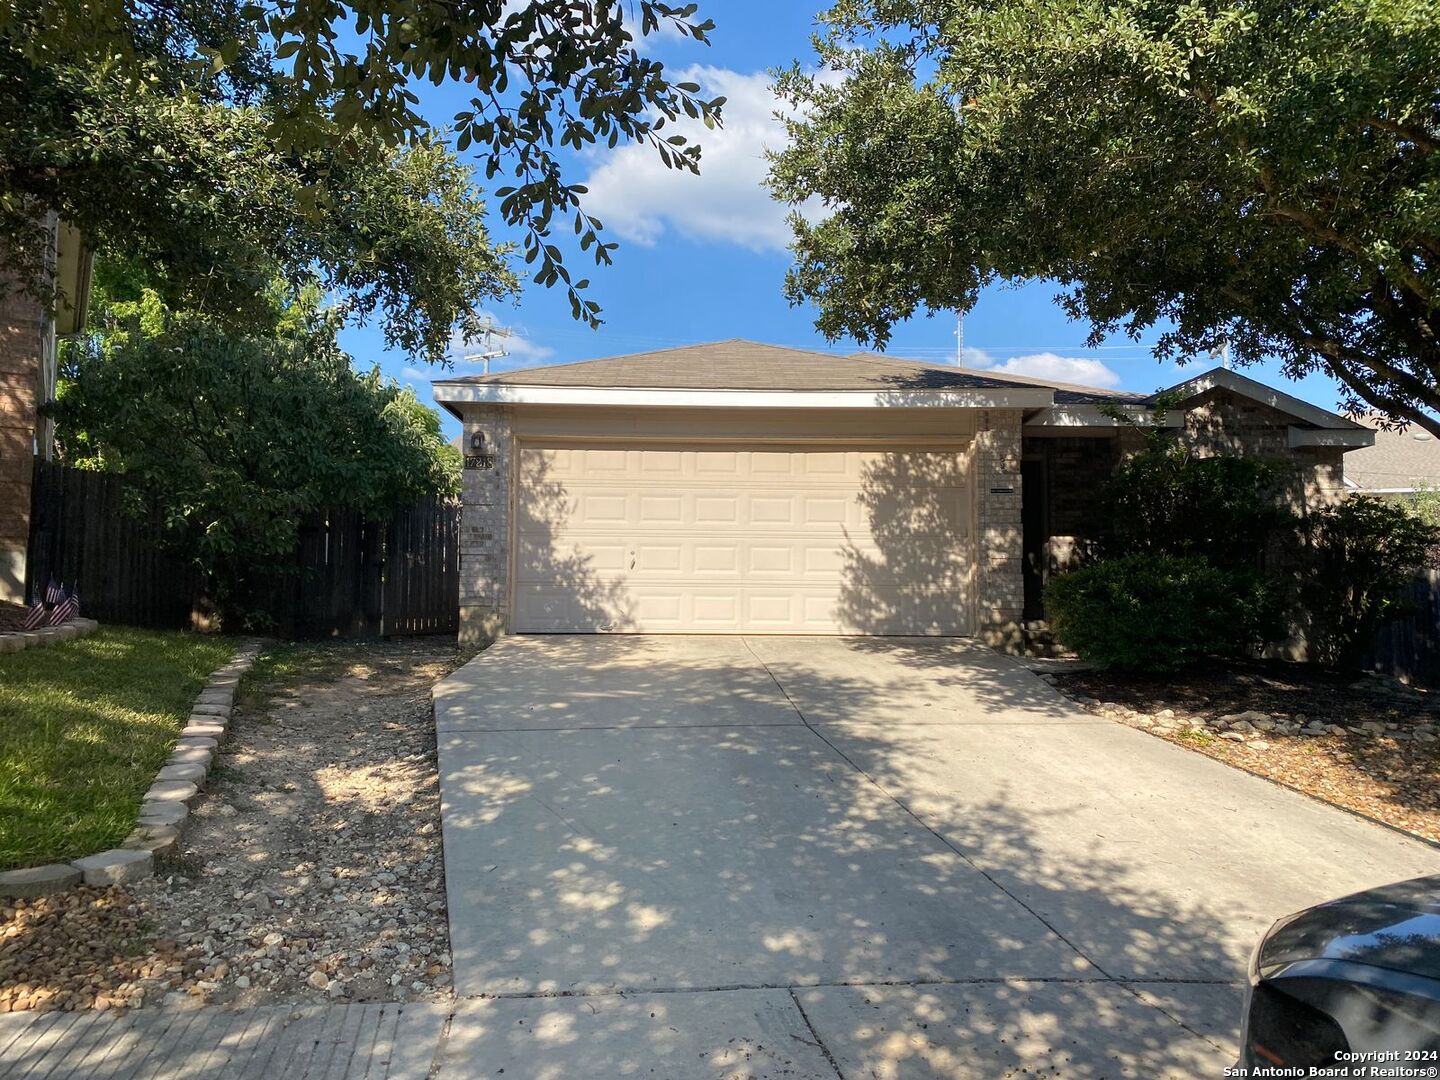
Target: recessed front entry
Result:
[[677, 538]]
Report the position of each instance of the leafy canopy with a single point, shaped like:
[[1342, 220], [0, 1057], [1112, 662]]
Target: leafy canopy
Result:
[[118, 115], [1263, 174], [235, 438]]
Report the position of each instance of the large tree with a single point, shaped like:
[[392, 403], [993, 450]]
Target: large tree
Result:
[[207, 130], [235, 437], [1260, 174]]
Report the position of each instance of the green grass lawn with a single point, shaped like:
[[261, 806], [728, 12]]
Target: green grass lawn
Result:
[[83, 728]]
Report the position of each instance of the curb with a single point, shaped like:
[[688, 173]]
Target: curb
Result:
[[47, 635], [166, 805]]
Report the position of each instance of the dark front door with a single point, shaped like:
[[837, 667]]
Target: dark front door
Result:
[[1035, 524]]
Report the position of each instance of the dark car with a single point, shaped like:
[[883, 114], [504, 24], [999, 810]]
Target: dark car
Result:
[[1353, 982]]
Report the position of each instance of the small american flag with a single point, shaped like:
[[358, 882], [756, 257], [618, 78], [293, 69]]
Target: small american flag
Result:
[[35, 617], [66, 610], [53, 594]]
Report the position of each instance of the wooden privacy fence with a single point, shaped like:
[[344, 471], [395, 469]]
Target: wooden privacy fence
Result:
[[350, 577], [1409, 647], [360, 578], [82, 536]]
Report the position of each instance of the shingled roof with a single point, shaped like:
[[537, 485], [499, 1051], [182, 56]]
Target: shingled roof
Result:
[[1400, 461], [747, 365]]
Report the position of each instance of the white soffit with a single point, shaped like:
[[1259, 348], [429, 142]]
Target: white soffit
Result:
[[1350, 440], [1064, 417], [1020, 397]]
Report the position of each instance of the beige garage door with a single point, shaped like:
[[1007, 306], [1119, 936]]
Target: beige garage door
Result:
[[685, 539]]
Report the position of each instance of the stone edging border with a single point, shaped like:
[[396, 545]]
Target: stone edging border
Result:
[[20, 640], [166, 804]]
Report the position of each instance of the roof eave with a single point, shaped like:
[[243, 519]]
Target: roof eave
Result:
[[1299, 437], [455, 394], [1073, 419], [1226, 379]]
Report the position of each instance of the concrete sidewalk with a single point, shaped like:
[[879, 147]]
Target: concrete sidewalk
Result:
[[336, 1042]]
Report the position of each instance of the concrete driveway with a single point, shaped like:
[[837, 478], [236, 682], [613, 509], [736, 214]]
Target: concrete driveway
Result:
[[811, 857]]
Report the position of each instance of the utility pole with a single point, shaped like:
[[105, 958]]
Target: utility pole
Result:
[[489, 350]]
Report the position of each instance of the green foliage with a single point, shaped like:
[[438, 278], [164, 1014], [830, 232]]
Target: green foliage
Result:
[[1425, 505], [1158, 613], [1263, 174], [1362, 554], [236, 438], [197, 192], [134, 105], [1165, 500]]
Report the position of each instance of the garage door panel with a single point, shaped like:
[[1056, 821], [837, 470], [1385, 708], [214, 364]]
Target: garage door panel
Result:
[[727, 540]]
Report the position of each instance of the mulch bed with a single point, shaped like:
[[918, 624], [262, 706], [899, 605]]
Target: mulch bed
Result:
[[12, 617], [1379, 753]]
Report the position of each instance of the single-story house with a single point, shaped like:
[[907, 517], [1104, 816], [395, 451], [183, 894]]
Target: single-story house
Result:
[[737, 487], [1398, 465]]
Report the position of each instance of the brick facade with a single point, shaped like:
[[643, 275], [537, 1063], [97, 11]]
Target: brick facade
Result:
[[485, 526], [1222, 422], [22, 329]]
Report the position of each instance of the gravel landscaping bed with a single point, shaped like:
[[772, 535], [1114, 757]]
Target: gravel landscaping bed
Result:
[[1370, 744], [311, 869]]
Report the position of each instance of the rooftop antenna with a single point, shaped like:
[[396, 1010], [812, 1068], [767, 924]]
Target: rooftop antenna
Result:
[[489, 350]]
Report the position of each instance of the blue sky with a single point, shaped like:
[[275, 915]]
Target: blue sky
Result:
[[703, 258]]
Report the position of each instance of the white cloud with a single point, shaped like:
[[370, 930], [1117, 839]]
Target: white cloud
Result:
[[639, 199], [414, 374], [667, 33], [1048, 366]]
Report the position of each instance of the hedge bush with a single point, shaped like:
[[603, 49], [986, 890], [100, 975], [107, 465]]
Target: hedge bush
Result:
[[1159, 613], [1362, 553]]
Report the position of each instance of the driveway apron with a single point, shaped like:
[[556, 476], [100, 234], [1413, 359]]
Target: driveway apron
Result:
[[811, 857]]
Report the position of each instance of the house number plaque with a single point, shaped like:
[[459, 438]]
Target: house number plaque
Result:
[[483, 462]]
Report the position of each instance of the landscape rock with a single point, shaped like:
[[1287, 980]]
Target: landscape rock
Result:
[[192, 756], [38, 880], [171, 791], [167, 812], [194, 774], [116, 866], [202, 729]]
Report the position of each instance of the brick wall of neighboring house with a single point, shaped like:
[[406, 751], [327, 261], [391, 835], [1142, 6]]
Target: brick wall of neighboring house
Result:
[[22, 326], [1000, 584], [485, 527]]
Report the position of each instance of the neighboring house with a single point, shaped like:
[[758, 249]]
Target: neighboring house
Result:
[[739, 487], [28, 338], [1399, 464]]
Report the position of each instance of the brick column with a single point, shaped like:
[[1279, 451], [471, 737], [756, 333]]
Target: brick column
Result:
[[1000, 579], [485, 527], [22, 326]]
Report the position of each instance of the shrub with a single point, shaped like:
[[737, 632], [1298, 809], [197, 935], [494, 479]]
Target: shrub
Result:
[[1164, 500], [1158, 613], [1361, 555]]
